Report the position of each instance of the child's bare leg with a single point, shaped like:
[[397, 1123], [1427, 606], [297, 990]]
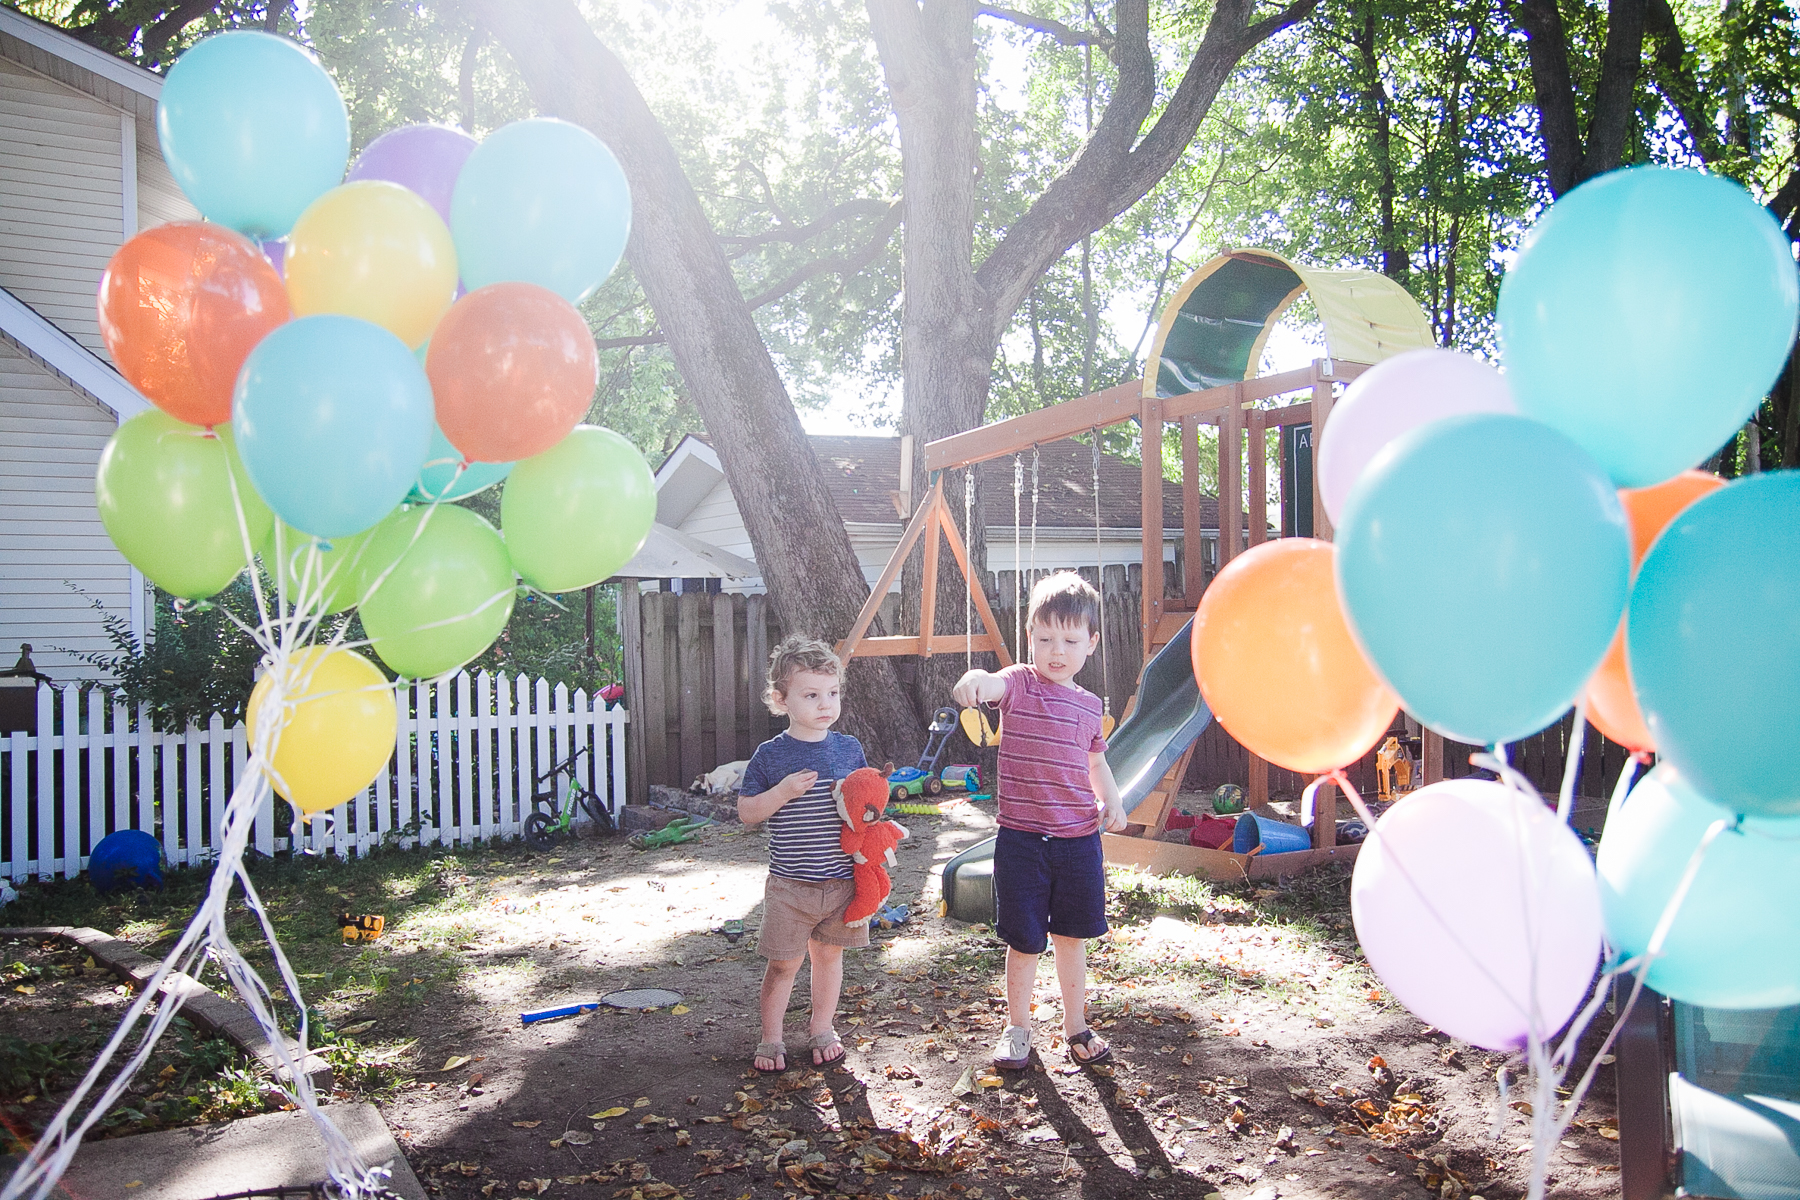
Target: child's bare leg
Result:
[[777, 986], [827, 984], [1071, 978], [1021, 980]]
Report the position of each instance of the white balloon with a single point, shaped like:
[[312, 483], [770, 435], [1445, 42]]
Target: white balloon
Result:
[[1396, 395], [1465, 892]]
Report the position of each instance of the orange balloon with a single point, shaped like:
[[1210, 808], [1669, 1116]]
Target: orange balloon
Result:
[[1276, 662], [513, 370], [181, 307], [1611, 705]]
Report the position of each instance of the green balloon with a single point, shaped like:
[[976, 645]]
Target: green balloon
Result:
[[448, 595], [338, 573], [576, 513], [165, 496]]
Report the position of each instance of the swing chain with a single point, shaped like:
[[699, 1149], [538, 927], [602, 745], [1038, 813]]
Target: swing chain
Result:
[[1018, 573], [968, 576], [1100, 580]]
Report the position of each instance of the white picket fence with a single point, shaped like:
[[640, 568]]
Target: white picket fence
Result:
[[467, 759]]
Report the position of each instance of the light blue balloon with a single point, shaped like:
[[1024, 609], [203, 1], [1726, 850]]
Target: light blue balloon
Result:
[[253, 130], [1732, 944], [1713, 639], [540, 201], [439, 478], [1647, 315], [333, 419], [1483, 562]]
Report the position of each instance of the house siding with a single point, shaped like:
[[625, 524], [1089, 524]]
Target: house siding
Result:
[[50, 442], [159, 197], [62, 180]]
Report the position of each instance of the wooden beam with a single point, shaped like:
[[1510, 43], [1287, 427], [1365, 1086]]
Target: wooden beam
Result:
[[1193, 575], [889, 573], [1257, 494], [1261, 388], [941, 643], [1257, 794], [940, 515], [1150, 508], [1231, 485], [1050, 424], [1431, 749], [1321, 410]]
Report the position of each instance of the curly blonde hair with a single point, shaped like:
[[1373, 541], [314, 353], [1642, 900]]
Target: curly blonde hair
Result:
[[798, 653]]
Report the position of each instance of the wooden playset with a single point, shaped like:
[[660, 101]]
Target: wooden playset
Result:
[[1201, 371]]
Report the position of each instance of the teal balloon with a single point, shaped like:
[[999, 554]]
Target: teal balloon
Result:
[[447, 592], [333, 420], [540, 201], [440, 479], [1483, 562], [1732, 943], [576, 513], [1713, 640], [253, 130], [170, 496], [1648, 313]]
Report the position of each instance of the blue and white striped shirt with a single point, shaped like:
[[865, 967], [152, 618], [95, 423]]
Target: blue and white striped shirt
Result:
[[803, 833]]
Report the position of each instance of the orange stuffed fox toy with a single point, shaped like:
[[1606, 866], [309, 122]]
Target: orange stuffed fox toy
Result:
[[862, 798]]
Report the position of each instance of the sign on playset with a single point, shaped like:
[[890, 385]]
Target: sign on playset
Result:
[[315, 416]]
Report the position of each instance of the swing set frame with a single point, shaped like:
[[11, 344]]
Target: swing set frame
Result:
[[1233, 410]]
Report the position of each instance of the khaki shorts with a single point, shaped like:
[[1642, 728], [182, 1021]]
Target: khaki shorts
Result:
[[796, 910]]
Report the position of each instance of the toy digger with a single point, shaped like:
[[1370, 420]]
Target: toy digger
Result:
[[682, 829]]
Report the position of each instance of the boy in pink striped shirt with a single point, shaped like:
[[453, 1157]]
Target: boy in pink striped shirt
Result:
[[1055, 792]]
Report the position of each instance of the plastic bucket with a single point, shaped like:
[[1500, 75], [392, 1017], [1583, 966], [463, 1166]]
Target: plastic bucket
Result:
[[1275, 837]]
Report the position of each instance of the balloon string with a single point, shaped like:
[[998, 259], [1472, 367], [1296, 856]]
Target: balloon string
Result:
[[1565, 802]]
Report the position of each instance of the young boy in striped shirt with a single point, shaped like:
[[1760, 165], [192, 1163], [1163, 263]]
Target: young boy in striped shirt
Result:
[[789, 784], [1055, 793]]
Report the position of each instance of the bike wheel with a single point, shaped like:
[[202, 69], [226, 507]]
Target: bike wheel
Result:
[[596, 808], [537, 832]]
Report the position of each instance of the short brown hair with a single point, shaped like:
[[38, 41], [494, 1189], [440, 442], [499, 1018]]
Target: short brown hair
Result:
[[1067, 599], [798, 653]]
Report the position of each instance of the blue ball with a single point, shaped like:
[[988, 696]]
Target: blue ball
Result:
[[333, 419], [1483, 562], [1732, 941], [1713, 639], [439, 478], [253, 130], [1648, 313], [540, 201], [129, 858]]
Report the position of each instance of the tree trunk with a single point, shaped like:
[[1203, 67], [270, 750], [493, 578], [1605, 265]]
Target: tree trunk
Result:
[[812, 575], [1570, 159], [1395, 263]]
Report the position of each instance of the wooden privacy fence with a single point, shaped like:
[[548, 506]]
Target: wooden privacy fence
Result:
[[467, 757], [695, 669]]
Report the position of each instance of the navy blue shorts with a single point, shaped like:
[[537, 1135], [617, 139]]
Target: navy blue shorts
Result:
[[1045, 885]]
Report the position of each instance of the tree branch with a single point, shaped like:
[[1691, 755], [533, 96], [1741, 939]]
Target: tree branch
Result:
[[158, 36], [1063, 34], [794, 235], [1115, 169], [621, 343], [1615, 101], [1674, 74], [848, 263], [1547, 45]]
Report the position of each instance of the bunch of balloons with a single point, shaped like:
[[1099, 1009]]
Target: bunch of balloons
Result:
[[1509, 545], [332, 356]]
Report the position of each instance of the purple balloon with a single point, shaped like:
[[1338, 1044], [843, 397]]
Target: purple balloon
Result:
[[424, 158], [275, 250], [1463, 893]]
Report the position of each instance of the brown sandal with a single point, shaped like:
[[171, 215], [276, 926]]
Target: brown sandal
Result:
[[1084, 1039], [825, 1043]]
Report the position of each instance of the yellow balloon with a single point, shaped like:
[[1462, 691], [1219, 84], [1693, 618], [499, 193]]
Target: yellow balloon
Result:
[[337, 727], [374, 250]]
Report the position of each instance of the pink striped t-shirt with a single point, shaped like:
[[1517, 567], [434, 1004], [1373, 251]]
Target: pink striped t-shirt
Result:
[[1047, 732]]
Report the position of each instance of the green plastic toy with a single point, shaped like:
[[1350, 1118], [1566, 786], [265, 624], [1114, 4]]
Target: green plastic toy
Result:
[[682, 829]]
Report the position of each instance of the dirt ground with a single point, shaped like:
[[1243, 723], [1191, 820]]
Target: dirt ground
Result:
[[1256, 1054]]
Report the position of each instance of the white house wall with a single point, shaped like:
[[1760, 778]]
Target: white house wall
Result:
[[159, 200], [50, 441], [62, 182]]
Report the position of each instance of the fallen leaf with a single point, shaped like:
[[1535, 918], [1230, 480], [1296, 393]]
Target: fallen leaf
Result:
[[526, 1124], [135, 1183], [965, 1083], [641, 1102], [359, 1027], [575, 1138], [608, 1114], [453, 1062], [680, 1009], [1611, 1135]]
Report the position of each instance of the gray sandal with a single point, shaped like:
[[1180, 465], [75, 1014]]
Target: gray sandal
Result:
[[825, 1043], [1013, 1051], [775, 1052]]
